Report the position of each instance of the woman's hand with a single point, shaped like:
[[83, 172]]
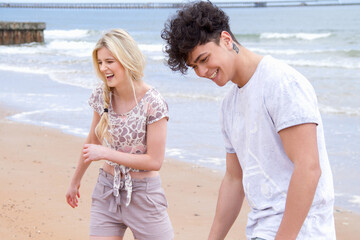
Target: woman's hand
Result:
[[93, 152], [72, 195]]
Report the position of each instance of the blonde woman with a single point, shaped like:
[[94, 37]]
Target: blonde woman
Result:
[[128, 131]]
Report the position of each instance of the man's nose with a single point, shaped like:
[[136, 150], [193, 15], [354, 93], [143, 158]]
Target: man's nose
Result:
[[202, 70]]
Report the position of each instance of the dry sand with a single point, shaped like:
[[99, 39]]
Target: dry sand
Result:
[[36, 165]]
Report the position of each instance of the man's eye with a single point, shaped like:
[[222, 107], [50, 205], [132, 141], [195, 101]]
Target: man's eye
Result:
[[204, 60]]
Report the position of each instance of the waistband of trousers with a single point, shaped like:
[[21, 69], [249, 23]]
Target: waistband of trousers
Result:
[[137, 183]]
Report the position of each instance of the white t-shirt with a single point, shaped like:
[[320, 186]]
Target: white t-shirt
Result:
[[276, 97]]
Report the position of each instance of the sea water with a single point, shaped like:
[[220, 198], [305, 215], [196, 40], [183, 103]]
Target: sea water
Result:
[[49, 83]]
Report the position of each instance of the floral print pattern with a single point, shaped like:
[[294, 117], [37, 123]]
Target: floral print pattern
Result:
[[128, 130]]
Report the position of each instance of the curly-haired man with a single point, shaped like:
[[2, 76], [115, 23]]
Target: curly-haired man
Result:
[[272, 127]]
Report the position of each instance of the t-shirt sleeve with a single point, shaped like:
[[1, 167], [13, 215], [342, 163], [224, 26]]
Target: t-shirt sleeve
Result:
[[157, 108], [227, 143], [291, 101], [96, 101]]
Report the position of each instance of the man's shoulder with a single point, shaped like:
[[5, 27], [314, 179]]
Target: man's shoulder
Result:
[[278, 73], [273, 67]]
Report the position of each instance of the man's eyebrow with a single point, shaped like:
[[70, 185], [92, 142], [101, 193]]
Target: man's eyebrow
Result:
[[197, 59]]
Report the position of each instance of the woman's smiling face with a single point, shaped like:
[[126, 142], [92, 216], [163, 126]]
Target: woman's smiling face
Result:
[[110, 67]]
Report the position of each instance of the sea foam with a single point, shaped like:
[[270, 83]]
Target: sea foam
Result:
[[302, 36], [151, 47], [66, 34]]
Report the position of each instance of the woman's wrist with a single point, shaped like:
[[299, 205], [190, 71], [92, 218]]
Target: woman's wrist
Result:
[[75, 181], [106, 153]]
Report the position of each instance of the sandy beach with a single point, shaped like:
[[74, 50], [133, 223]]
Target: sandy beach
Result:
[[36, 167]]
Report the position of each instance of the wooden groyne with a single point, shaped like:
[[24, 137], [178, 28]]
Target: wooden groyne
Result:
[[21, 32]]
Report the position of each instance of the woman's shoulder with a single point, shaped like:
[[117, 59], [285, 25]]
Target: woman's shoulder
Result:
[[157, 107], [99, 88], [153, 94], [96, 99]]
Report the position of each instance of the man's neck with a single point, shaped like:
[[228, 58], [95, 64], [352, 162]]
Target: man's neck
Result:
[[246, 63]]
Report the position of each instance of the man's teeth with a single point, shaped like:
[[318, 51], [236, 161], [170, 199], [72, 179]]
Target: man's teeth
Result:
[[214, 74]]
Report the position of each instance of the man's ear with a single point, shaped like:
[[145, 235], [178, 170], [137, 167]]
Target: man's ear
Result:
[[227, 39]]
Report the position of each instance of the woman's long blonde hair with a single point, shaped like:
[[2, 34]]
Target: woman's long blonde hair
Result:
[[125, 50]]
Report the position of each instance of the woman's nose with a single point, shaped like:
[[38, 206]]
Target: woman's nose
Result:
[[103, 67]]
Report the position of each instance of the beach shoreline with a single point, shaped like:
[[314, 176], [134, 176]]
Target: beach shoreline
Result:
[[36, 167]]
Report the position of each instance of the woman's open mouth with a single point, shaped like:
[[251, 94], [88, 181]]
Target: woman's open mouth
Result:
[[109, 76]]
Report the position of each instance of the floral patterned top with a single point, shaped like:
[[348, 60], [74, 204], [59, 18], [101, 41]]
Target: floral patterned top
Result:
[[128, 130]]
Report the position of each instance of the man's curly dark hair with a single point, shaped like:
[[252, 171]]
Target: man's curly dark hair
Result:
[[195, 24]]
